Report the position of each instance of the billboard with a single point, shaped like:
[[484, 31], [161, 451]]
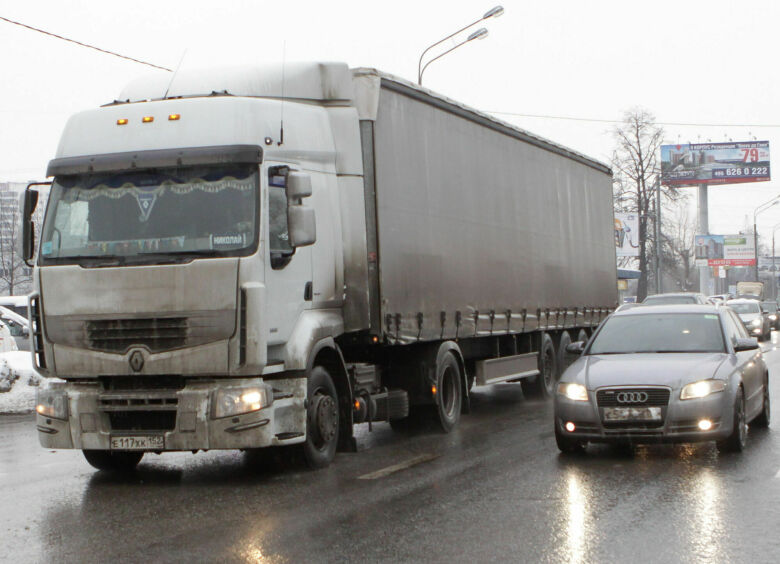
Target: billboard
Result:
[[714, 163], [724, 250], [626, 234]]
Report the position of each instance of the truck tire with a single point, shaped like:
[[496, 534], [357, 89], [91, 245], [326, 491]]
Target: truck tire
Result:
[[449, 395], [322, 419], [583, 336], [543, 385], [116, 461], [564, 359]]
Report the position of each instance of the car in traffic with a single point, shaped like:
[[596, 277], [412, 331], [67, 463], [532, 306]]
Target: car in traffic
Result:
[[7, 342], [770, 309], [719, 298], [676, 298], [680, 373], [17, 304], [754, 319]]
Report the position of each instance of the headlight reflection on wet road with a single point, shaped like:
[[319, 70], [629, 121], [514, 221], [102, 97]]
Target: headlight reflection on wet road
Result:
[[706, 521], [576, 505]]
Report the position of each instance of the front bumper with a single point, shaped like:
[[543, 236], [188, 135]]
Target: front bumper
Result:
[[92, 421], [679, 422]]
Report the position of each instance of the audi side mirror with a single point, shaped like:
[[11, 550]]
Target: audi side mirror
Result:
[[577, 347], [749, 344]]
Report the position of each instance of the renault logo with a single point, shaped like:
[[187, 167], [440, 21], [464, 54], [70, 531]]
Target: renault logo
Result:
[[632, 397], [136, 361]]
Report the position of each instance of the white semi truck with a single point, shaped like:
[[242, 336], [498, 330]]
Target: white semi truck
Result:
[[256, 257]]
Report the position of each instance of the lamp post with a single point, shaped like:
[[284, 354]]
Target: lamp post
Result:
[[763, 207], [774, 272], [492, 13]]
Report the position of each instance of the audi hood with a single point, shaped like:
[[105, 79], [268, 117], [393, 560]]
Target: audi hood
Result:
[[646, 369]]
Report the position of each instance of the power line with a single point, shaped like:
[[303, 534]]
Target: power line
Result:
[[84, 44], [670, 123]]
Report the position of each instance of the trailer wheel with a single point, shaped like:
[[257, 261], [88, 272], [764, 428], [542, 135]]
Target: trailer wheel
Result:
[[543, 385], [116, 461], [322, 419], [449, 396], [583, 336]]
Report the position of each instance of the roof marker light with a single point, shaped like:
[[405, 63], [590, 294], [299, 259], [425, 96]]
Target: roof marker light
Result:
[[147, 119], [122, 121], [174, 117]]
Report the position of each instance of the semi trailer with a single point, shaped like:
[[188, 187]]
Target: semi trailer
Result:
[[258, 257]]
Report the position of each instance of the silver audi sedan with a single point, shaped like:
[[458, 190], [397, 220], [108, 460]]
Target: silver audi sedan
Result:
[[679, 373]]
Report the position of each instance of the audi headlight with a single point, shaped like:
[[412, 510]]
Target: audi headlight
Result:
[[235, 401], [702, 389], [756, 322], [576, 392], [52, 403]]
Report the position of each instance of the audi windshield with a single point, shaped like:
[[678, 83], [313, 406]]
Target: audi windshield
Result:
[[143, 217], [659, 333]]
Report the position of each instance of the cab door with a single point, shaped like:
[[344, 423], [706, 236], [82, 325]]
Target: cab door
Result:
[[288, 270]]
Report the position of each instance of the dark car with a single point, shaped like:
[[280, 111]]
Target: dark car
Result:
[[664, 374], [756, 322], [770, 309], [676, 298]]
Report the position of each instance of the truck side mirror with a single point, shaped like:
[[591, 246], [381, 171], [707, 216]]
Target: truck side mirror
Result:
[[27, 203], [298, 186], [301, 225]]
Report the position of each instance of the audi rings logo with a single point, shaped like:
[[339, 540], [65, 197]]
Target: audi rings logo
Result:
[[632, 397]]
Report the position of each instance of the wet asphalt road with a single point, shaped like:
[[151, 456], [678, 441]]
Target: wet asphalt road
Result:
[[496, 489]]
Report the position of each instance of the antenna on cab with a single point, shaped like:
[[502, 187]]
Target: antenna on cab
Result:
[[281, 117], [174, 74]]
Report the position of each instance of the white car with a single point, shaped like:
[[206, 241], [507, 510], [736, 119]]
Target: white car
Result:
[[18, 326], [7, 342]]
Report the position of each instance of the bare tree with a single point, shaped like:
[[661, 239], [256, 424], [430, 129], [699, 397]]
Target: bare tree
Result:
[[678, 234], [635, 163]]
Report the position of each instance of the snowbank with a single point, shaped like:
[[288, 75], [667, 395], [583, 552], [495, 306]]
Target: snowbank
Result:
[[18, 382]]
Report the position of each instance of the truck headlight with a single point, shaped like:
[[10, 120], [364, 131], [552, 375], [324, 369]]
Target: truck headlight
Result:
[[52, 403], [235, 401], [702, 389], [576, 392]]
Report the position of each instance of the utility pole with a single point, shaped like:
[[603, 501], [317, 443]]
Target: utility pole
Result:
[[704, 229], [658, 283]]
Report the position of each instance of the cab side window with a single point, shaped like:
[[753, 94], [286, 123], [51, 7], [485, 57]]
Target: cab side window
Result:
[[278, 233]]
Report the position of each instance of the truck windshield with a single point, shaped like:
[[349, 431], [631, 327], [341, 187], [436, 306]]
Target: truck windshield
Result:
[[151, 216]]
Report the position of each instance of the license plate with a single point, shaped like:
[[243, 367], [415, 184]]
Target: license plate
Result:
[[138, 442], [632, 414]]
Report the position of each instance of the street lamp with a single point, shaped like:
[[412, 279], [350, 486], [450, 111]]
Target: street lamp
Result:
[[774, 272], [481, 33], [763, 207], [492, 13]]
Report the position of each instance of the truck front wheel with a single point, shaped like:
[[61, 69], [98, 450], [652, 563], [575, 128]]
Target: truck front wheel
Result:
[[117, 461], [322, 419]]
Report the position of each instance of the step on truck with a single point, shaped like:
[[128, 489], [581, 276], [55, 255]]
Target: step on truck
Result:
[[267, 256]]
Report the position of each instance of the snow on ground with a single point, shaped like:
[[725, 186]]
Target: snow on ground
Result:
[[18, 382]]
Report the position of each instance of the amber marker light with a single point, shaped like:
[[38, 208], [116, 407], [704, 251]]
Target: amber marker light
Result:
[[147, 119], [122, 121], [433, 390], [174, 117], [375, 339]]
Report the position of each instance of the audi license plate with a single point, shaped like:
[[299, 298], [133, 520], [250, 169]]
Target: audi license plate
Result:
[[138, 442], [632, 414]]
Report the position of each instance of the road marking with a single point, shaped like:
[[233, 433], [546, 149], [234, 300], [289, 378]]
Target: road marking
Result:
[[398, 467]]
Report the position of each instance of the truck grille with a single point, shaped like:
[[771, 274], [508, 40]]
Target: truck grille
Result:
[[147, 408], [656, 397], [156, 333]]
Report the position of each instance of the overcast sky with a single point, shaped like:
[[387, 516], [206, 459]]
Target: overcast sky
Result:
[[691, 61]]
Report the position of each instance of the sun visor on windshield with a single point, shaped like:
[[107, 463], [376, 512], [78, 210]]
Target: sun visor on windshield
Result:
[[161, 158]]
